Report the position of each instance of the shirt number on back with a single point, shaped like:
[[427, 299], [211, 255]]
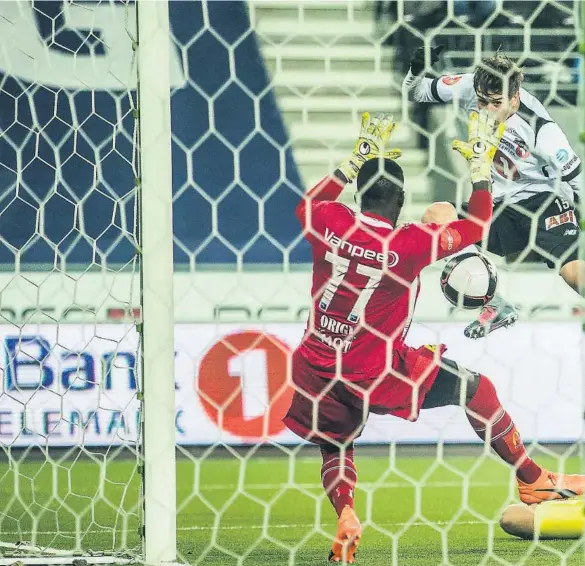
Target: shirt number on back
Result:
[[340, 269]]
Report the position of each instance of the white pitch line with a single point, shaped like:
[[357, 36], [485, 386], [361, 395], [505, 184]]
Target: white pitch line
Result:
[[307, 525], [247, 527], [270, 486]]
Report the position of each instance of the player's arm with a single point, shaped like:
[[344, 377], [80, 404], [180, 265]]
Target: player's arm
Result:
[[484, 135], [431, 242], [374, 134], [326, 190], [552, 145], [418, 88]]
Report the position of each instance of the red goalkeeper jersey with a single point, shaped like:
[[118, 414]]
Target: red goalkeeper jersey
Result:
[[366, 279]]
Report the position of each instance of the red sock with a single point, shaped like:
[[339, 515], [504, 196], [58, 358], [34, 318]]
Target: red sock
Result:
[[338, 476], [489, 419]]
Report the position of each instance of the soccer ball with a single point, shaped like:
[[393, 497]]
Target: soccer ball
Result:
[[469, 280]]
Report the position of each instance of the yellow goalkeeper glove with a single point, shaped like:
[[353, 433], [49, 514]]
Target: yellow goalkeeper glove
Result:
[[374, 134], [484, 134]]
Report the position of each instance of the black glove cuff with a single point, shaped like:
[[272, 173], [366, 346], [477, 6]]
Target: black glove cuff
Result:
[[339, 174], [481, 186]]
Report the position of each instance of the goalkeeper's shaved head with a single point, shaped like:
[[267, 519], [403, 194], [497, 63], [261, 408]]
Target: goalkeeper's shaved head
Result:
[[380, 185]]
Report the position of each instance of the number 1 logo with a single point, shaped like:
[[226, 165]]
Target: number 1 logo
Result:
[[242, 384]]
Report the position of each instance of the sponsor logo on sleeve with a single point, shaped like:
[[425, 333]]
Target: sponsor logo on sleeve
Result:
[[450, 240], [521, 148], [560, 219], [451, 80], [562, 155], [570, 164]]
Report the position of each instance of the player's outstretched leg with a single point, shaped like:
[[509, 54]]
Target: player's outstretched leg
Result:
[[493, 424], [498, 313], [339, 476]]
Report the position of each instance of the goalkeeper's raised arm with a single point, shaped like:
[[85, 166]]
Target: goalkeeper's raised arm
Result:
[[375, 133], [484, 135]]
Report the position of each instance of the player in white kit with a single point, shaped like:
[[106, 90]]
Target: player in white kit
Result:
[[535, 173]]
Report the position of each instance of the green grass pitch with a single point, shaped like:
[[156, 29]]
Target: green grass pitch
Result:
[[417, 510]]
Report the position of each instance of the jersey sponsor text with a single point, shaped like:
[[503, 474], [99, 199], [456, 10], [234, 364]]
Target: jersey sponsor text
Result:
[[358, 251], [559, 219]]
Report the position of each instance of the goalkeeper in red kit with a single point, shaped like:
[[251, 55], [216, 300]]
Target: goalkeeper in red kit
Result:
[[353, 359]]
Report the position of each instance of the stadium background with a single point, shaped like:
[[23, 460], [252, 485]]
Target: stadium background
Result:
[[280, 109]]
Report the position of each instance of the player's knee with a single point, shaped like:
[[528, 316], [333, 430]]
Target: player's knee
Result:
[[440, 213], [328, 448], [454, 385], [473, 378], [573, 272]]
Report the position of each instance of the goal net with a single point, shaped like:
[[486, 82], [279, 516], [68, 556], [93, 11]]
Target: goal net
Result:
[[266, 99], [87, 399]]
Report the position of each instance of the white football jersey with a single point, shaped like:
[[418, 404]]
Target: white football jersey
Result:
[[534, 155]]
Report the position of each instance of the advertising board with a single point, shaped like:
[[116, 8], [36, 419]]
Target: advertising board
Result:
[[249, 296], [77, 384]]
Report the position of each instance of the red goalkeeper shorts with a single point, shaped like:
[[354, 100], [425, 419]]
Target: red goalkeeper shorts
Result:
[[336, 410]]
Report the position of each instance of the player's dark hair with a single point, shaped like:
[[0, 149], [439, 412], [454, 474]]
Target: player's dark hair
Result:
[[496, 73], [380, 185]]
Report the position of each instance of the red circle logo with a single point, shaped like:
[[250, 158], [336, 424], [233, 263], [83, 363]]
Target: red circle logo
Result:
[[243, 384], [521, 152], [450, 239], [451, 80], [521, 149]]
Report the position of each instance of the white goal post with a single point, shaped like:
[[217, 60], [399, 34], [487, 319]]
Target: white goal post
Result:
[[157, 300]]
